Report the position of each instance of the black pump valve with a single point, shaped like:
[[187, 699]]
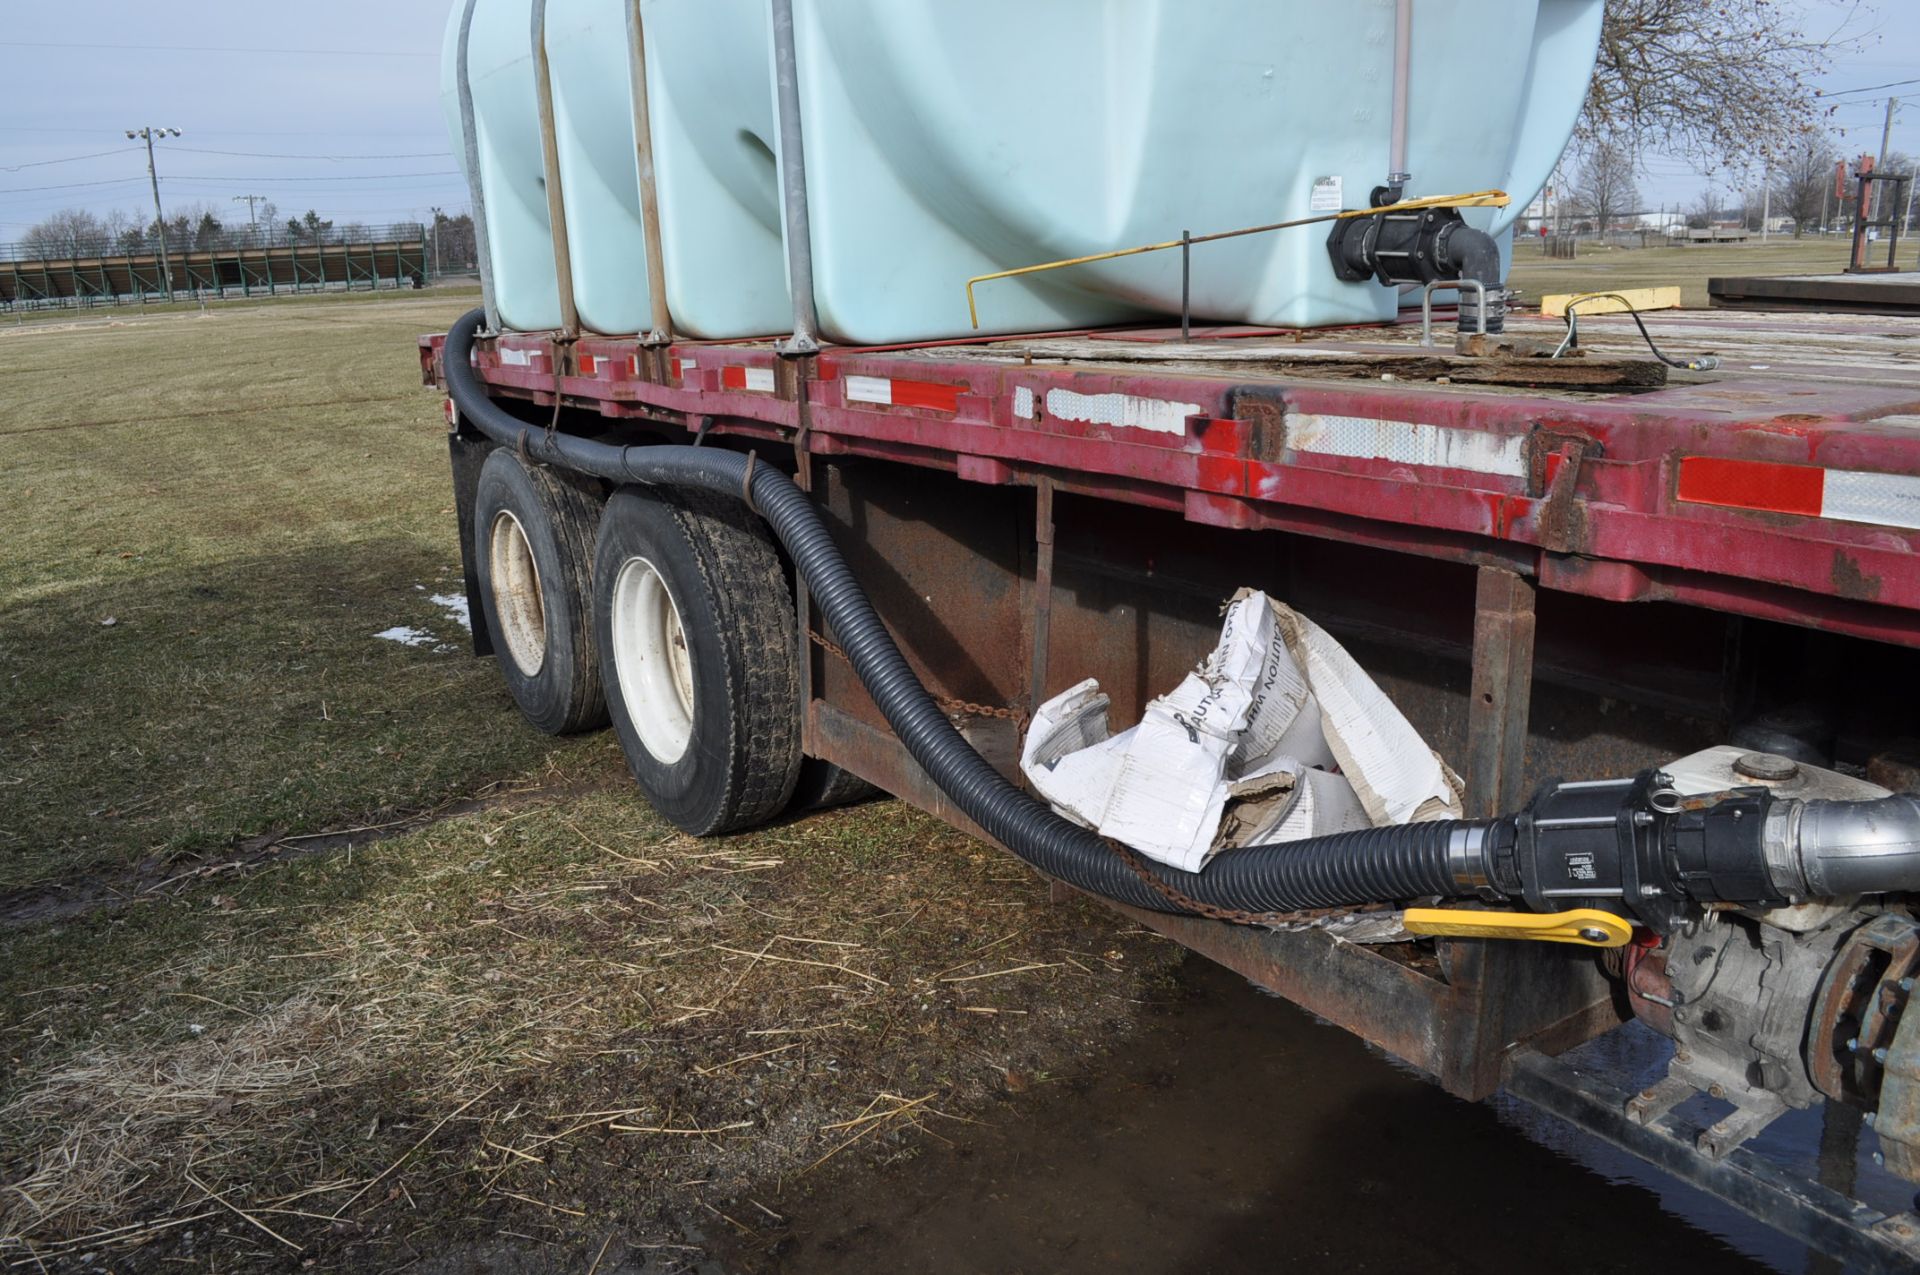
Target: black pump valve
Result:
[[1636, 847], [1419, 246]]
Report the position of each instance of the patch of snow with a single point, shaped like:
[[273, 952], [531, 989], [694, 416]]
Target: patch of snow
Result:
[[455, 605], [406, 636]]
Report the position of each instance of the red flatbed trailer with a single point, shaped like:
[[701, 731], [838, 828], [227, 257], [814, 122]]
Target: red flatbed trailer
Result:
[[1030, 511]]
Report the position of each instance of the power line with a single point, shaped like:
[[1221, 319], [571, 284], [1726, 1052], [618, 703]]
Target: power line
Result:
[[42, 163], [1866, 88], [337, 177], [199, 150], [207, 48], [112, 181], [242, 132]]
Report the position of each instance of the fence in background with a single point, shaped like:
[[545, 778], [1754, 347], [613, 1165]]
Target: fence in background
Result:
[[139, 277]]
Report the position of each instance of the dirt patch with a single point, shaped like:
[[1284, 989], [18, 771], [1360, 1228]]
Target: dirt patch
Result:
[[534, 1027], [1231, 1132], [157, 877]]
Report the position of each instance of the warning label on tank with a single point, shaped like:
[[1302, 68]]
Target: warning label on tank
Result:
[[1326, 195], [1580, 868]]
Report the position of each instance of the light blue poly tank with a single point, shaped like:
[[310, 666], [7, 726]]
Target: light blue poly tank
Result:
[[946, 140]]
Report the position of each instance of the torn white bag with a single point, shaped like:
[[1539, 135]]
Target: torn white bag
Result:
[[1278, 734]]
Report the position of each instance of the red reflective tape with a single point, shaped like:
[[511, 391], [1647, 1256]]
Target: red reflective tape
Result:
[[588, 365], [941, 398], [1752, 484], [734, 378]]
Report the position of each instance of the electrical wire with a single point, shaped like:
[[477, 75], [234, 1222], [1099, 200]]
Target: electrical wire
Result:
[[200, 150], [70, 159], [1866, 88], [336, 177], [111, 181], [1571, 341], [206, 48]]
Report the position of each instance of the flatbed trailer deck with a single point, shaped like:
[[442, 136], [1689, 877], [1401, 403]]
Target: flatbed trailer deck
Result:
[[1031, 511]]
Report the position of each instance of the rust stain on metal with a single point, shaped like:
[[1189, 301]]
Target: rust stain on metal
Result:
[[1554, 463], [1267, 425], [1885, 949], [1849, 581]]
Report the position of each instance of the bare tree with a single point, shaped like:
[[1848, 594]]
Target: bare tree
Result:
[[456, 241], [1705, 209], [1803, 181], [71, 232], [1603, 188], [1713, 80]]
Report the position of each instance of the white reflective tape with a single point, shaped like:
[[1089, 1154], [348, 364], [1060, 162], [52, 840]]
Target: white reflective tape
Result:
[[633, 364], [517, 358], [1886, 500], [687, 365], [760, 378], [1128, 411], [1407, 443], [869, 389], [1023, 403]]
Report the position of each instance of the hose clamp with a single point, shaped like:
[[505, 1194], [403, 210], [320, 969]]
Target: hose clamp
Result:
[[1467, 860], [1780, 847]]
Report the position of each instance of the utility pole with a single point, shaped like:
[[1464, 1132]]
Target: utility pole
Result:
[[159, 218], [251, 219], [1886, 137], [1766, 198], [436, 241]]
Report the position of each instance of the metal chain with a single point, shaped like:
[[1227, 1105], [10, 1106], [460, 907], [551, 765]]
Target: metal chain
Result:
[[1012, 713], [1211, 911]]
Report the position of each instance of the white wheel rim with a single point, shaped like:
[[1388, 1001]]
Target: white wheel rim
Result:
[[651, 660], [516, 593]]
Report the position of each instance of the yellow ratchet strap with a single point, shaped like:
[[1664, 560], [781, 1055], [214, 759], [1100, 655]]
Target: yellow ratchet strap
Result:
[[1588, 927], [1470, 199]]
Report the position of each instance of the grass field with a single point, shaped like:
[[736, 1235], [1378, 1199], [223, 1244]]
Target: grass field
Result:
[[1598, 268], [539, 1022]]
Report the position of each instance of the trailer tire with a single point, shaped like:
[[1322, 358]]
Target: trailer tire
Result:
[[533, 556], [692, 607]]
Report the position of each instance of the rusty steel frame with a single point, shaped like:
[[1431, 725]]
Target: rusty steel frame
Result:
[[932, 503], [1597, 512]]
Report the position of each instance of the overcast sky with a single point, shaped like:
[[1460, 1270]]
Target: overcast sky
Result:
[[357, 83]]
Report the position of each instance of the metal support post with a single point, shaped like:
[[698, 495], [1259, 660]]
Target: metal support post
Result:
[[470, 161], [1503, 628], [550, 161], [793, 185], [1042, 591], [662, 332]]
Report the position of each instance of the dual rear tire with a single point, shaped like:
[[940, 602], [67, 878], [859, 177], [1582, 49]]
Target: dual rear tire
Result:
[[533, 552], [668, 614], [693, 612]]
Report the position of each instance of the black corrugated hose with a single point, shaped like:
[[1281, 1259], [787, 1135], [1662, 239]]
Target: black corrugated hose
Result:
[[1373, 865]]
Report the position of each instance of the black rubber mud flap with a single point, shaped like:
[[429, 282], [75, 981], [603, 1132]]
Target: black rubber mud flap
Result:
[[692, 607], [533, 553]]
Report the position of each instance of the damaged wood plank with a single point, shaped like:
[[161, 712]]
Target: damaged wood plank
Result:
[[1488, 361]]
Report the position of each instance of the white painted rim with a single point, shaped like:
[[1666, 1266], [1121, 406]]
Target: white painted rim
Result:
[[651, 660], [517, 603]]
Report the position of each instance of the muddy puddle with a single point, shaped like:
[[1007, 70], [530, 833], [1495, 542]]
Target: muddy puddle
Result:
[[1237, 1133]]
